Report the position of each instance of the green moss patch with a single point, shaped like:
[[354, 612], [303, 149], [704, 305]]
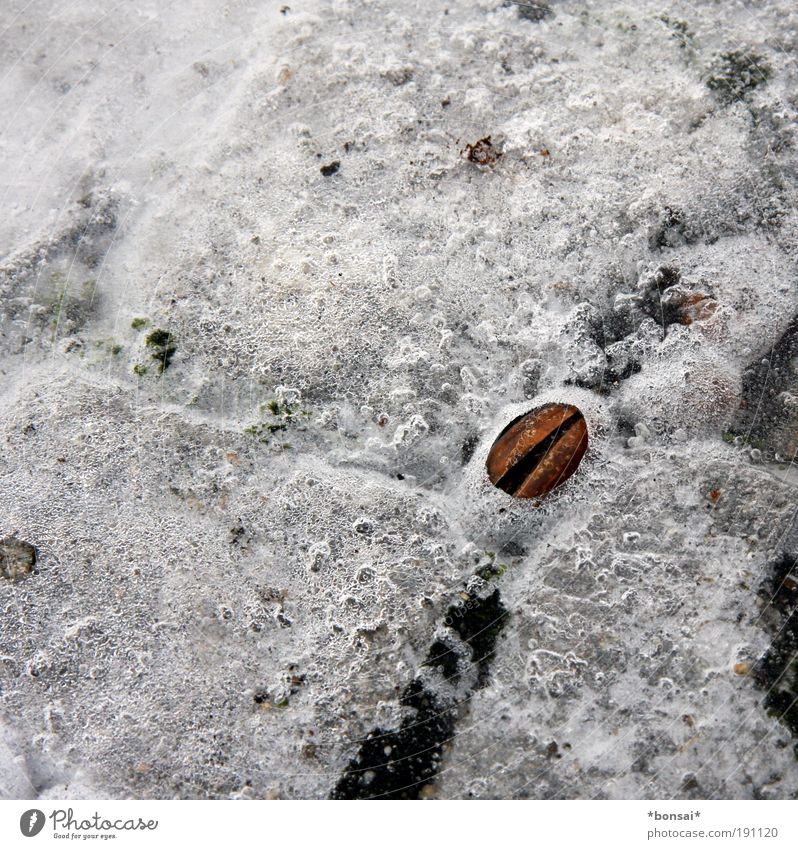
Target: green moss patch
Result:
[[277, 416], [162, 347]]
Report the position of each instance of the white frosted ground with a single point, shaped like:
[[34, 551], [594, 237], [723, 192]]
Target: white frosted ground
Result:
[[163, 162]]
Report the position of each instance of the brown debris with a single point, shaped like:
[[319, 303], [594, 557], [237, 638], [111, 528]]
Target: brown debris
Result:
[[689, 306], [482, 152]]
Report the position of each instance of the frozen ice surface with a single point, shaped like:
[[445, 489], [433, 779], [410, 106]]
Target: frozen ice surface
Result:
[[261, 320]]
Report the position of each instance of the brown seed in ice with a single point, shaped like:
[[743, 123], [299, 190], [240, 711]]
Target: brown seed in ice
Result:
[[538, 451]]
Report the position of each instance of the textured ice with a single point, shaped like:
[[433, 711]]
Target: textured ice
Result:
[[242, 562]]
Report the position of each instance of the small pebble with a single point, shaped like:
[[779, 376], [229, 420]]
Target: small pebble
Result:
[[17, 558]]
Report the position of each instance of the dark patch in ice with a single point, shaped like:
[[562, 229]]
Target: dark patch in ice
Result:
[[776, 672], [443, 657], [17, 558], [162, 348], [680, 31], [652, 302], [671, 231], [608, 379], [513, 548], [621, 330], [531, 10], [468, 447], [479, 623], [734, 74], [766, 416], [400, 763]]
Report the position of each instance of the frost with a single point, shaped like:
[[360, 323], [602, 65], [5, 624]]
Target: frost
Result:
[[366, 242]]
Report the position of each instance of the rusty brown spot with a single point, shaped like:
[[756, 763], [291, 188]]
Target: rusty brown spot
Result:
[[698, 307], [687, 306]]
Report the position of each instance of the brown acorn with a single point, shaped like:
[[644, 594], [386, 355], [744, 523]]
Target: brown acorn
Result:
[[538, 451]]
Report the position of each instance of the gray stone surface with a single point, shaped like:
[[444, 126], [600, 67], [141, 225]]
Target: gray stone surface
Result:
[[247, 397]]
